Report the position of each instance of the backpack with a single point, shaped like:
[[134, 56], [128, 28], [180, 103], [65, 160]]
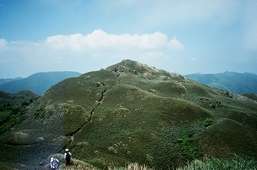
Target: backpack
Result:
[[68, 156]]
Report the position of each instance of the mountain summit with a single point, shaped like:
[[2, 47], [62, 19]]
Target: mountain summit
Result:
[[132, 67], [131, 112]]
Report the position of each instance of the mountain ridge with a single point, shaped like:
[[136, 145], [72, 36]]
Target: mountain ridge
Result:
[[130, 112]]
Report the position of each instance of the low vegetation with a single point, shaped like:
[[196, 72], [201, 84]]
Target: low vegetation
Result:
[[235, 163], [12, 108]]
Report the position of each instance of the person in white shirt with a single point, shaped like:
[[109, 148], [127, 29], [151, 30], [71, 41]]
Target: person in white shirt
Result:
[[67, 157]]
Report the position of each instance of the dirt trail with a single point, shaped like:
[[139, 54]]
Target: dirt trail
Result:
[[98, 102]]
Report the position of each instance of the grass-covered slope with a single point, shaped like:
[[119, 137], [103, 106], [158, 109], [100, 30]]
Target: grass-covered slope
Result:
[[130, 112], [12, 107], [252, 96]]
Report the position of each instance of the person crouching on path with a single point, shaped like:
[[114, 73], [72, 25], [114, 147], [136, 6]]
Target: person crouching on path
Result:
[[67, 157], [54, 163]]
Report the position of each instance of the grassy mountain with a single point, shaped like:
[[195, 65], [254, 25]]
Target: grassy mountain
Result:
[[130, 112], [38, 83], [251, 96], [235, 82]]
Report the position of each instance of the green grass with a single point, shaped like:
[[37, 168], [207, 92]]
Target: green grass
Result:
[[236, 163], [146, 116]]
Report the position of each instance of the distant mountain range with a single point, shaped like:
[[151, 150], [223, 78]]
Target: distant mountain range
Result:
[[37, 83], [2, 81], [40, 82], [231, 81]]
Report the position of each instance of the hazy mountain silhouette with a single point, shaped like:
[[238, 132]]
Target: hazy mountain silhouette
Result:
[[37, 83], [232, 81]]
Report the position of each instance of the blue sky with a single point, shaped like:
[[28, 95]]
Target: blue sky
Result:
[[185, 36]]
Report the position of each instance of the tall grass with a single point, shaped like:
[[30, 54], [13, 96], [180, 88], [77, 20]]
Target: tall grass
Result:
[[237, 163], [132, 166]]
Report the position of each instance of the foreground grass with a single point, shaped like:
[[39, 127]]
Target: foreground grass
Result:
[[219, 164], [236, 163], [80, 165]]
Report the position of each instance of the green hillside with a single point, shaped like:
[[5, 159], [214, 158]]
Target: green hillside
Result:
[[12, 108], [251, 96], [235, 82], [130, 112]]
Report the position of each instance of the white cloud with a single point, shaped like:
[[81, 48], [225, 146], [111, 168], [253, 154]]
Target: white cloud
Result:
[[84, 52], [176, 44], [3, 43], [100, 40]]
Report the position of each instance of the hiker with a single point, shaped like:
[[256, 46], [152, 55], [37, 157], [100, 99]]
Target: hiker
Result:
[[54, 163], [67, 157]]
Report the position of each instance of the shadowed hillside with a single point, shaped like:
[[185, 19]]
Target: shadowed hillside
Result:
[[251, 96], [130, 112], [12, 108]]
